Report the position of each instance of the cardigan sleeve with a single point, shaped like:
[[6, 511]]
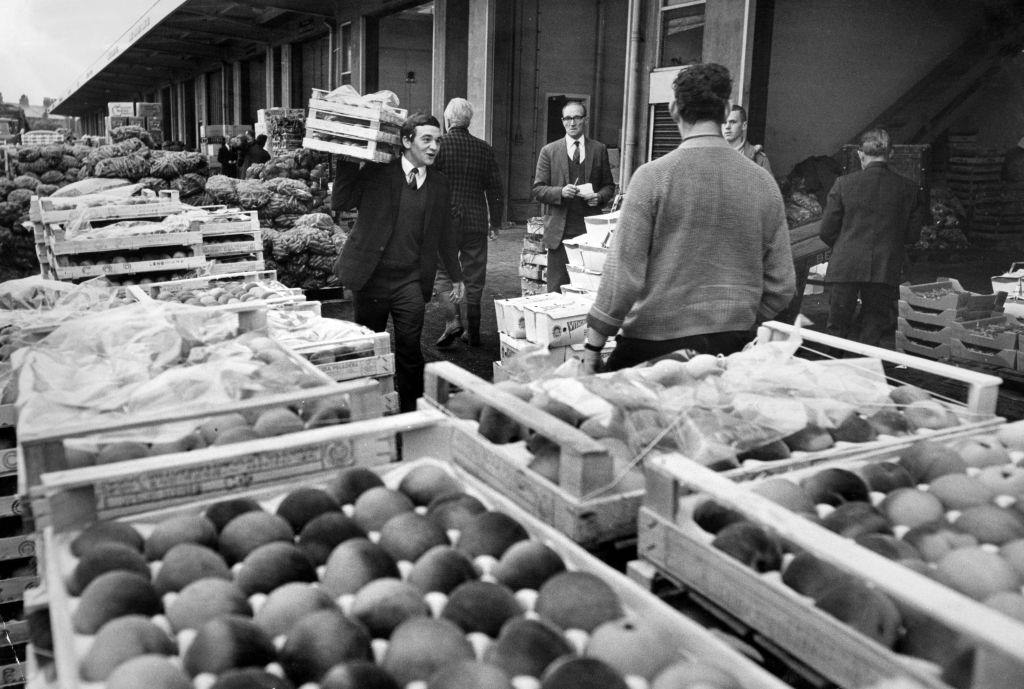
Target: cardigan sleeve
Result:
[[625, 271]]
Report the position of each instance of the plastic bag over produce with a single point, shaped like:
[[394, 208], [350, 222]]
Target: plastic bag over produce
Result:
[[108, 363]]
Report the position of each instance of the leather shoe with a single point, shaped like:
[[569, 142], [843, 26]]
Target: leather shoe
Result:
[[448, 337]]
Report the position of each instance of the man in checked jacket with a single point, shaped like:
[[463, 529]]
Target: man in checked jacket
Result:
[[469, 164]]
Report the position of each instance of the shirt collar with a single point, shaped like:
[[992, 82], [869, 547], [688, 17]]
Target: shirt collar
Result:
[[421, 171], [569, 142]]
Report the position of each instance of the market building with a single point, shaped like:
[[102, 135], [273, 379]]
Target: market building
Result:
[[218, 63]]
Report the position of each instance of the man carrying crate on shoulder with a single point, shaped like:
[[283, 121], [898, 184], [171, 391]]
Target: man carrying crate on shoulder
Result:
[[390, 258]]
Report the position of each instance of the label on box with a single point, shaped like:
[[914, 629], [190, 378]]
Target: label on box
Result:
[[556, 322], [511, 314], [121, 109]]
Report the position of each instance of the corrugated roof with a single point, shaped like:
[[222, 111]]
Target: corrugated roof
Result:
[[176, 39]]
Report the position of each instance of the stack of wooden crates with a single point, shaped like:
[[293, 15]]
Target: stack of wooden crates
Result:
[[929, 312], [128, 257], [232, 242], [353, 128]]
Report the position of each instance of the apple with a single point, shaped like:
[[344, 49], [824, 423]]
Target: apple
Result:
[[911, 507], [926, 460], [884, 477], [936, 539], [1004, 480], [835, 486], [983, 451]]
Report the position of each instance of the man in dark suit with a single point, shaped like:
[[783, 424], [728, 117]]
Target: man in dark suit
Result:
[[390, 258], [469, 164], [562, 168], [870, 217]]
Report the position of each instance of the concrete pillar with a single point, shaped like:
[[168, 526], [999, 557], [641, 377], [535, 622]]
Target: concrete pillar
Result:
[[729, 40], [225, 88], [268, 72], [179, 89], [236, 87], [437, 67], [286, 75], [480, 75], [202, 109]]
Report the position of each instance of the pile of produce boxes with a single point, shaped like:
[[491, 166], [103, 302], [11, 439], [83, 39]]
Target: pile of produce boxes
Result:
[[533, 261], [928, 312], [551, 325], [132, 237], [570, 449]]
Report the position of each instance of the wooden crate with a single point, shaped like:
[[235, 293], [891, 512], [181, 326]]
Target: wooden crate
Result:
[[585, 465], [423, 438], [675, 546], [362, 355], [61, 209], [217, 250], [370, 111], [227, 223], [976, 414], [139, 242], [351, 126], [288, 295], [130, 268], [221, 267], [360, 149], [43, 452]]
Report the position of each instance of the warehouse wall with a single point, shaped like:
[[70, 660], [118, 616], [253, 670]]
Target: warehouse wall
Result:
[[997, 112], [835, 66], [533, 45], [406, 46]]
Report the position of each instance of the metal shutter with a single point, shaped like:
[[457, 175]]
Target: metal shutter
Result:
[[664, 134]]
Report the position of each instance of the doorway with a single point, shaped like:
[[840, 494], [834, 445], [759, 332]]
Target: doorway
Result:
[[554, 129], [404, 45]]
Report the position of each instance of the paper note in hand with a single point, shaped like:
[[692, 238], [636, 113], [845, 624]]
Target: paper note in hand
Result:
[[586, 189]]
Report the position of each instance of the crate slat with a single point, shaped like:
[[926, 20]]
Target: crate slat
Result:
[[129, 268], [216, 249], [129, 243], [351, 151]]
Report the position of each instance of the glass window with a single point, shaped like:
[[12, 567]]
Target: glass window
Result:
[[346, 53], [682, 33]]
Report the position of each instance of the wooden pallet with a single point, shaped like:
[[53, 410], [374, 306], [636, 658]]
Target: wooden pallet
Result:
[[670, 541], [421, 436], [585, 465]]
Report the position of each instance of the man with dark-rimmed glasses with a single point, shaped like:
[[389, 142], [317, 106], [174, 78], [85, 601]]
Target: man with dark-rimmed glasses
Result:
[[573, 180]]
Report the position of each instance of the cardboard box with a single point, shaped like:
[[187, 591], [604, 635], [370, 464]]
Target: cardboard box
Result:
[[601, 227], [929, 350], [925, 332], [121, 109], [154, 123], [510, 347], [943, 316], [137, 122], [1004, 358], [557, 325], [510, 313], [948, 294], [149, 110], [998, 332], [583, 278]]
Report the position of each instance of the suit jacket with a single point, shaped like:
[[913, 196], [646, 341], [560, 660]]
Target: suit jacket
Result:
[[553, 173], [374, 190], [469, 165], [870, 216]]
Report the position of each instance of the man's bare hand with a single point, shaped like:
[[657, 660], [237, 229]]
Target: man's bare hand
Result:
[[458, 293], [570, 191]]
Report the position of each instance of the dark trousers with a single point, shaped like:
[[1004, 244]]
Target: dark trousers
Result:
[[876, 310], [473, 259], [400, 297], [631, 351]]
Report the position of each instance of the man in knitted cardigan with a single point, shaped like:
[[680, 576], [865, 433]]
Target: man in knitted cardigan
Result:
[[701, 253]]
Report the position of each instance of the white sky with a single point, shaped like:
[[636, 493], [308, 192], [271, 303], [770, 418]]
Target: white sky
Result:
[[45, 45]]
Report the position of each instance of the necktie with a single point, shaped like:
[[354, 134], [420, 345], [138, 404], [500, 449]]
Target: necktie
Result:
[[576, 152], [412, 178]]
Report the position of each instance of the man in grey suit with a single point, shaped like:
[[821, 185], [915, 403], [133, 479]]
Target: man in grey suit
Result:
[[563, 167], [870, 217]]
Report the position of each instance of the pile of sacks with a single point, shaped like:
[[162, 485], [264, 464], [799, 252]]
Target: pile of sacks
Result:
[[304, 254]]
